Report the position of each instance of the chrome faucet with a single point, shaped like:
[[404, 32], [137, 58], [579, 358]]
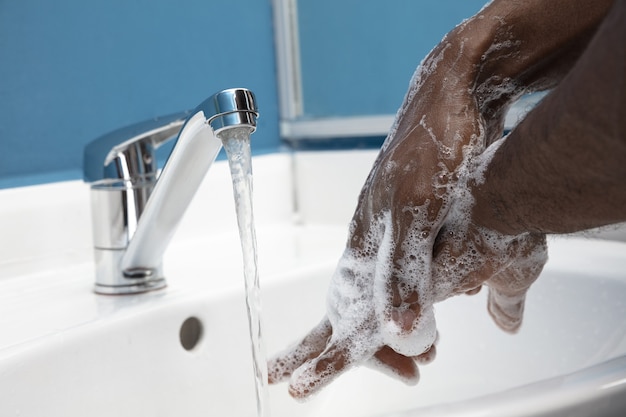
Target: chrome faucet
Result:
[[135, 211]]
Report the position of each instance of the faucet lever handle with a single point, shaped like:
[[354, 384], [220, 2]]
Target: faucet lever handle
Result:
[[129, 153]]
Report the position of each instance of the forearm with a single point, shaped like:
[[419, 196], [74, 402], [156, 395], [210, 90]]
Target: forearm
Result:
[[517, 47], [456, 101], [508, 48], [563, 169]]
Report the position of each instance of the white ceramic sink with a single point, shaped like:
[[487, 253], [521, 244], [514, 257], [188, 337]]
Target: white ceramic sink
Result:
[[65, 351]]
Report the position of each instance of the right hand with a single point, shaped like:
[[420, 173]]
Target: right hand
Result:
[[387, 321], [407, 247]]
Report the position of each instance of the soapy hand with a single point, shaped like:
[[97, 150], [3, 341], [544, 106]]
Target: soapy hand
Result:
[[412, 243], [380, 311], [417, 236]]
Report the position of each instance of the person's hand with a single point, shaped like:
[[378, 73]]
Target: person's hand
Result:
[[414, 239], [408, 248], [383, 330]]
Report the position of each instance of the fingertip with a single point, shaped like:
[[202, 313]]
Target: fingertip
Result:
[[274, 374], [393, 364], [506, 315], [305, 382], [318, 372], [427, 357], [405, 318], [280, 368], [474, 291], [298, 394], [273, 379], [506, 324]]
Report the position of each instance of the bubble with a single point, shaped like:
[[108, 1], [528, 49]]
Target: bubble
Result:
[[441, 179], [414, 210]]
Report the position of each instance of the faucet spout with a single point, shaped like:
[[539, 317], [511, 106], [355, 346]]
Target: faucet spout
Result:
[[136, 213]]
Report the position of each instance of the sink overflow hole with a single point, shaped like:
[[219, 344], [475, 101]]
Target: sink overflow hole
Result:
[[190, 333]]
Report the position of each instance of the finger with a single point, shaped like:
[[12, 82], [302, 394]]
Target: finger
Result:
[[507, 296], [404, 303], [395, 365], [429, 355], [283, 364], [507, 311], [406, 312], [474, 291], [320, 371], [409, 329], [426, 357], [508, 288]]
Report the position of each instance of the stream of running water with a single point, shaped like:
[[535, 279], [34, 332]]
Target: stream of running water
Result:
[[237, 145]]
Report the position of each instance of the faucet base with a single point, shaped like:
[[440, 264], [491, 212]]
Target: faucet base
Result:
[[135, 288], [111, 281]]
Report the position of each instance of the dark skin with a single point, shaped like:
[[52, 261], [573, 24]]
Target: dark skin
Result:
[[568, 153], [436, 224]]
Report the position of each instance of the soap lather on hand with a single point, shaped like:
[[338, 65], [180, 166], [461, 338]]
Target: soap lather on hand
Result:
[[450, 205]]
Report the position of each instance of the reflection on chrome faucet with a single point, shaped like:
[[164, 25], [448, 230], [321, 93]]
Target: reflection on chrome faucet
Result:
[[135, 211]]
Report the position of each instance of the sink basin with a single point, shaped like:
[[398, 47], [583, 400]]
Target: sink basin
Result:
[[184, 350]]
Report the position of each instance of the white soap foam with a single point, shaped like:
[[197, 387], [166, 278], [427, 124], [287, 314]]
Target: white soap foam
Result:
[[361, 308]]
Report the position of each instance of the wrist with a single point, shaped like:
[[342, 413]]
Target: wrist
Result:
[[492, 63], [523, 47]]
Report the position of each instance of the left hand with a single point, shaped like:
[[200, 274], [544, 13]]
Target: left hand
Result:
[[412, 241]]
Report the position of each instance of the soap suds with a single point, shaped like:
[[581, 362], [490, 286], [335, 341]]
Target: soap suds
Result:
[[384, 289], [378, 298]]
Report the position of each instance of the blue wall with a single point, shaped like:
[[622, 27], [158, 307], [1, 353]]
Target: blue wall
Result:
[[71, 70], [359, 55]]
